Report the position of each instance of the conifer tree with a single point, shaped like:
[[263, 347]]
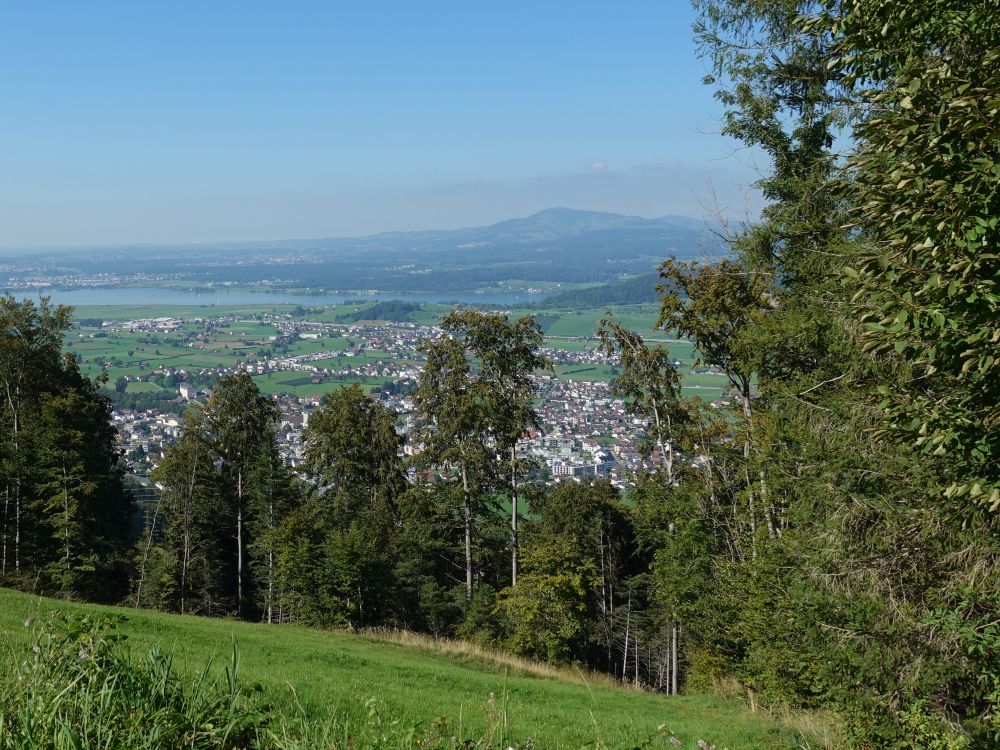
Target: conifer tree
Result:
[[30, 341], [66, 515], [274, 495]]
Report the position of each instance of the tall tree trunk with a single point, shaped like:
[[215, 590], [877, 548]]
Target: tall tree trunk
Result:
[[674, 627], [239, 543], [17, 525], [270, 587], [188, 521], [637, 661], [628, 624], [467, 512], [603, 603], [17, 496], [666, 447], [753, 514], [772, 527], [145, 555], [185, 565], [6, 517], [66, 550], [513, 516], [270, 554], [667, 662], [13, 403]]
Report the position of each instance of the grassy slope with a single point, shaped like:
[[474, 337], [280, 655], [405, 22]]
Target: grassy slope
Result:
[[336, 672]]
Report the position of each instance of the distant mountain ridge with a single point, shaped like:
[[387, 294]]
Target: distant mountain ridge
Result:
[[557, 245], [551, 224], [568, 222]]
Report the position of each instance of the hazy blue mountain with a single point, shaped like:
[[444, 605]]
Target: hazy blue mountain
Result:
[[555, 245]]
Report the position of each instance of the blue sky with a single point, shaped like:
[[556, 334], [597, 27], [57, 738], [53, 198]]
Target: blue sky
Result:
[[181, 122]]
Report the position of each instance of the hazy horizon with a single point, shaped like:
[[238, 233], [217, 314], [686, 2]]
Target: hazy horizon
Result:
[[187, 124], [19, 250]]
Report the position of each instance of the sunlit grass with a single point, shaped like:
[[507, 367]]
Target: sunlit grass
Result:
[[415, 681]]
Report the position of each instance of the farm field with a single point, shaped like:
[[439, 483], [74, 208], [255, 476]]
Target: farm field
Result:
[[291, 382], [586, 372], [583, 323], [337, 674], [197, 345]]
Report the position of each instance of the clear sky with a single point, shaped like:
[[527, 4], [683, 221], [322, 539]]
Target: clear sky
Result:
[[203, 121]]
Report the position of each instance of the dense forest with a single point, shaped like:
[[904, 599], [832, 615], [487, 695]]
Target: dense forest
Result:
[[396, 310], [631, 291], [829, 541], [66, 518]]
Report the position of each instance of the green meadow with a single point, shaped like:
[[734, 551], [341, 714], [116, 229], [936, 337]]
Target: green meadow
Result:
[[302, 385], [409, 681]]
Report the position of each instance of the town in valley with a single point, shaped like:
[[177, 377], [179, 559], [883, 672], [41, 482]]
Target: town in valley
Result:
[[157, 365]]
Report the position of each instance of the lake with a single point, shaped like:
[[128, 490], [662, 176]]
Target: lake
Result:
[[154, 296]]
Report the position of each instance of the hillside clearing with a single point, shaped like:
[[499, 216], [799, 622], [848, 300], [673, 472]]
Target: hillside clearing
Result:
[[339, 674]]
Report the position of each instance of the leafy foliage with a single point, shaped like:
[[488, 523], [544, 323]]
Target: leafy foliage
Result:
[[475, 400], [874, 423], [547, 610], [925, 190]]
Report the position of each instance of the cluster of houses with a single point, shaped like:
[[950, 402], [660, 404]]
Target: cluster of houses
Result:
[[145, 435], [41, 277], [146, 325], [585, 432], [582, 432]]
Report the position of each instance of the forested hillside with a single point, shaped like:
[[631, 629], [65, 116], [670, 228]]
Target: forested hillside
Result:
[[828, 540], [629, 292]]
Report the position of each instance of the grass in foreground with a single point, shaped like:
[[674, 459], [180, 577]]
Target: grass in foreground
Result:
[[358, 689]]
